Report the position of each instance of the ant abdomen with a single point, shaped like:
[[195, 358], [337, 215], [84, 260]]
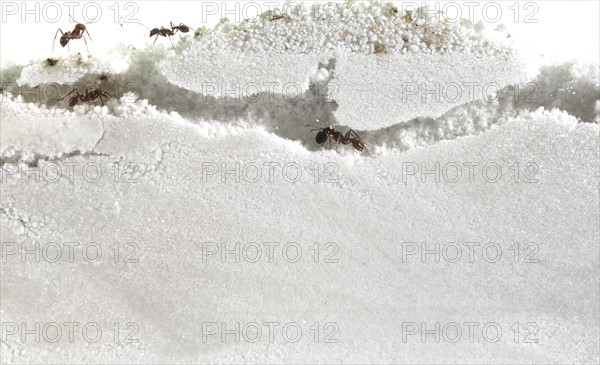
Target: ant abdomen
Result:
[[358, 145], [321, 137]]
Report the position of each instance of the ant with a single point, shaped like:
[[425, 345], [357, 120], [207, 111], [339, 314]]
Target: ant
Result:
[[165, 32], [87, 96], [76, 33], [351, 137]]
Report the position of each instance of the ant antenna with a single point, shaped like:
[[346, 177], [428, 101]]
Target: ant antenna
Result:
[[75, 21], [315, 128], [367, 150], [74, 90], [139, 23]]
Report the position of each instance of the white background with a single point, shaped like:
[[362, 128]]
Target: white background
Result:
[[564, 29]]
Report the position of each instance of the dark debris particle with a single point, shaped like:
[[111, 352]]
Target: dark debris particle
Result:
[[50, 62], [380, 48]]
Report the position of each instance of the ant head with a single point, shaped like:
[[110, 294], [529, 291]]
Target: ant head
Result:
[[321, 137], [154, 32]]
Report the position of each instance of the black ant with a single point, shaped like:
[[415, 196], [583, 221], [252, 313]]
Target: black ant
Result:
[[181, 27], [165, 32], [87, 96], [76, 33], [351, 137]]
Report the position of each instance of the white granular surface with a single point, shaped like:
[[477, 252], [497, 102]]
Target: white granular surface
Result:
[[501, 173], [374, 54]]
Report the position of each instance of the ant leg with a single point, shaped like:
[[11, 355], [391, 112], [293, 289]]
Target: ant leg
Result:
[[172, 45], [89, 35], [156, 38], [56, 35], [367, 151], [86, 45], [352, 133], [74, 90], [105, 95]]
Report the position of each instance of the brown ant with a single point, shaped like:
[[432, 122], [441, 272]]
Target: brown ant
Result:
[[351, 137], [87, 96], [76, 33], [165, 32]]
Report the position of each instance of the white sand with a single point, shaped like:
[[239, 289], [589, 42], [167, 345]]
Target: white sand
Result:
[[158, 175]]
